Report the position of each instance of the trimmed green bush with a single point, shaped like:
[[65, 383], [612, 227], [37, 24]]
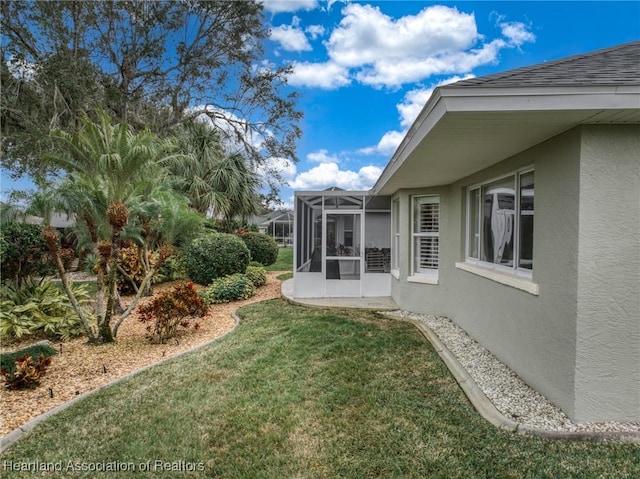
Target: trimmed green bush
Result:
[[172, 269], [23, 252], [257, 275], [264, 248], [8, 360], [230, 288], [215, 255]]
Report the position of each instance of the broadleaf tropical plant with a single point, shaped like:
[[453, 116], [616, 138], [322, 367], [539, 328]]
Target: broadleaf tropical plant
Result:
[[40, 306]]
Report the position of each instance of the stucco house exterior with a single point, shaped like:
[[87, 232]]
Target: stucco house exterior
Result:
[[512, 206]]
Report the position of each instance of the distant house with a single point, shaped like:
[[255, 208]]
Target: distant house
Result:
[[57, 220], [512, 206], [277, 224]]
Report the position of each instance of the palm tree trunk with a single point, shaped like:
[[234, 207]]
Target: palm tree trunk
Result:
[[105, 334]]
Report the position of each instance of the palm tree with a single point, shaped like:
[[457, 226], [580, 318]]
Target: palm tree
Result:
[[192, 172], [107, 166], [215, 182], [235, 179], [159, 216]]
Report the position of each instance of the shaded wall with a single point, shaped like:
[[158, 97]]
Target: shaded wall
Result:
[[577, 340], [533, 334], [608, 331]]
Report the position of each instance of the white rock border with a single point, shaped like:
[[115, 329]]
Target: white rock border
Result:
[[498, 393]]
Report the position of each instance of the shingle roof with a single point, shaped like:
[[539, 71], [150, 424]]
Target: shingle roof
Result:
[[619, 65]]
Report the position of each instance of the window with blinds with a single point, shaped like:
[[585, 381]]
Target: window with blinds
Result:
[[426, 234]]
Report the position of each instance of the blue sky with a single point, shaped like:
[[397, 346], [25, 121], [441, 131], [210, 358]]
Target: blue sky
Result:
[[365, 69]]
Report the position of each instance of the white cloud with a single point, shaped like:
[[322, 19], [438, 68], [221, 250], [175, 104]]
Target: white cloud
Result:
[[315, 31], [326, 175], [367, 36], [412, 105], [389, 142], [290, 38], [285, 168], [517, 33], [393, 73], [287, 204], [319, 75], [21, 69], [277, 6], [322, 156], [409, 109], [378, 50], [414, 100], [369, 175]]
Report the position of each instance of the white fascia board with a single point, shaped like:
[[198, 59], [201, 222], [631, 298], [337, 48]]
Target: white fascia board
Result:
[[541, 99], [331, 193]]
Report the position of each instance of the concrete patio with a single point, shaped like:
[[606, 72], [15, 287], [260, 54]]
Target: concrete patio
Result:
[[381, 303]]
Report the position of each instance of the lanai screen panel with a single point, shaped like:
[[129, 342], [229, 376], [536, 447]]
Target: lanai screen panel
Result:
[[377, 235], [308, 233], [343, 232]]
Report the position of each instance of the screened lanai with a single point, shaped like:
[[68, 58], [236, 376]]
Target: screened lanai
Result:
[[278, 225], [342, 244]]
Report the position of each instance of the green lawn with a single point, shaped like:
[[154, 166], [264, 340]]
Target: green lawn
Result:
[[305, 393], [284, 261]]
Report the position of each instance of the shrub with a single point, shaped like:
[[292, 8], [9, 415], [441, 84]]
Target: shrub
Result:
[[24, 252], [264, 248], [255, 263], [257, 275], [27, 372], [40, 306], [230, 288], [170, 310], [8, 360], [129, 261], [215, 255], [172, 269]]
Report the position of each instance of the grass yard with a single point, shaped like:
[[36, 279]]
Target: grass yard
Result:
[[284, 261], [303, 393]]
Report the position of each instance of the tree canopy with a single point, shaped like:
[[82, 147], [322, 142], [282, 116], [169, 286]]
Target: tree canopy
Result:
[[150, 64]]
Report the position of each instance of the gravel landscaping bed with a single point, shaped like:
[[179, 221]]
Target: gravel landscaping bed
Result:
[[509, 394], [79, 367]]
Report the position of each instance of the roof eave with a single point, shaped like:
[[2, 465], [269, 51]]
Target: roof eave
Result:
[[480, 100]]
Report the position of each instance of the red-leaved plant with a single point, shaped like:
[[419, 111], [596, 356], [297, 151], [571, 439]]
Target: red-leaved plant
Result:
[[27, 374], [172, 309]]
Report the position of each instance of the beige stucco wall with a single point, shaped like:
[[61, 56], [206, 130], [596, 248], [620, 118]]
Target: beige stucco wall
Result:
[[608, 329], [576, 341]]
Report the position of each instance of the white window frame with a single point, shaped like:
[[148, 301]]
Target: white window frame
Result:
[[395, 237], [522, 272], [428, 275]]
